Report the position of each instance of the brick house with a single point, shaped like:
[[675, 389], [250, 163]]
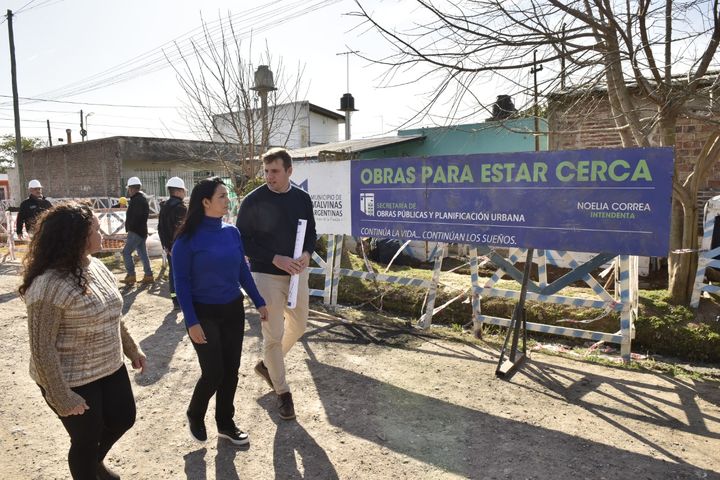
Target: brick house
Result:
[[100, 168], [578, 120]]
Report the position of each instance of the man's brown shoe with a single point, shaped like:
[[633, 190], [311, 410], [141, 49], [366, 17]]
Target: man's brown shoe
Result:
[[147, 279], [262, 370], [286, 408], [128, 280]]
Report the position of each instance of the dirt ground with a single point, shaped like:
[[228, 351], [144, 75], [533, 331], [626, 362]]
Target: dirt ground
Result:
[[374, 402]]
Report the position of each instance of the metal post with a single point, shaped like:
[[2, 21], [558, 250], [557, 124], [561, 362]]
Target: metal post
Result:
[[86, 123], [562, 59], [505, 367], [264, 113], [82, 127], [536, 112]]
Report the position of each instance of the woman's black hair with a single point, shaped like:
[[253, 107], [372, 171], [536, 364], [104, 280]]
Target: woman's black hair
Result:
[[196, 211], [59, 243]]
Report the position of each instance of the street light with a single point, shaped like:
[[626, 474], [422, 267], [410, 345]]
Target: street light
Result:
[[86, 122]]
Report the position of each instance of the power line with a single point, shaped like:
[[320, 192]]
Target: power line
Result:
[[46, 3], [157, 59], [89, 103], [21, 8], [74, 113], [43, 127]]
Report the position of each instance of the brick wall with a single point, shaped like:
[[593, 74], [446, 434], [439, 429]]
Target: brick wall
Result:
[[99, 168], [87, 169], [589, 124]]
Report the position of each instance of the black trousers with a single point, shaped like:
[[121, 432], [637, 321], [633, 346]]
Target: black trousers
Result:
[[224, 327], [171, 279], [92, 434]]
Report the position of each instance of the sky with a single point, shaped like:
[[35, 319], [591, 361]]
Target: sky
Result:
[[63, 45]]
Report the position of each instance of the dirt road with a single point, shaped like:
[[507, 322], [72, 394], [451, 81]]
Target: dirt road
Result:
[[374, 402]]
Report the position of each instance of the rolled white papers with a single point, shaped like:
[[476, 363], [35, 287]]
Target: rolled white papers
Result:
[[294, 279]]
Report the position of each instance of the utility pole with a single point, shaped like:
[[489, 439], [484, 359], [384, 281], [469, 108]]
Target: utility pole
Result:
[[83, 132], [16, 104], [49, 135], [536, 68], [562, 60]]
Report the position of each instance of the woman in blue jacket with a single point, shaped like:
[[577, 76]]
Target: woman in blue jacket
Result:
[[209, 268]]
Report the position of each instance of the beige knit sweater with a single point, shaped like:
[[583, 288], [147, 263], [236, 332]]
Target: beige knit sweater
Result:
[[75, 339]]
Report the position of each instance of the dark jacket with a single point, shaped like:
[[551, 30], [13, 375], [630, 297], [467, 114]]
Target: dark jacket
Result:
[[172, 214], [137, 215], [29, 209], [268, 224]]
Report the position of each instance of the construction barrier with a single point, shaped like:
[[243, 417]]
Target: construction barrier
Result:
[[625, 268], [624, 300], [707, 254]]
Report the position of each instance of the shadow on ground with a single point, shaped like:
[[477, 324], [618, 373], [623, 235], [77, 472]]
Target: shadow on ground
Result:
[[293, 443], [465, 440]]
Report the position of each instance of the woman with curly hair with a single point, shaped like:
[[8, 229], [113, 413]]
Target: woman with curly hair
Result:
[[77, 337]]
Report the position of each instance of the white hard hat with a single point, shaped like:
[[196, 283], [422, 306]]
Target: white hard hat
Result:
[[132, 181], [175, 182], [34, 184]]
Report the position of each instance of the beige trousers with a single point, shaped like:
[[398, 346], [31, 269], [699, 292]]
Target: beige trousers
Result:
[[284, 326]]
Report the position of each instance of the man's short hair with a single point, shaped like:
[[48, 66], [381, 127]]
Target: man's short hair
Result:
[[278, 154]]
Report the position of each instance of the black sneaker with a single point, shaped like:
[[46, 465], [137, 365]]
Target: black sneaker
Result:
[[176, 304], [235, 435], [262, 370], [197, 429], [286, 408]]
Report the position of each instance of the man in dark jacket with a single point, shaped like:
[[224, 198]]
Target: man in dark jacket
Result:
[[268, 221], [30, 208], [136, 227], [172, 214]]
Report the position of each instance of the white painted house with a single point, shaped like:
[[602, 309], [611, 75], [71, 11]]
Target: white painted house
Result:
[[291, 125]]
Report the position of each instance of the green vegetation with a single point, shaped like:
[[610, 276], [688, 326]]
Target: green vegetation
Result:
[[676, 330], [7, 149]]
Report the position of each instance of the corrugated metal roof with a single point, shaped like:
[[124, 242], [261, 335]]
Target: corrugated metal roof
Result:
[[347, 146]]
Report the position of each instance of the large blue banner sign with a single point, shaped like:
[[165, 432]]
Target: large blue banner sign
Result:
[[603, 200]]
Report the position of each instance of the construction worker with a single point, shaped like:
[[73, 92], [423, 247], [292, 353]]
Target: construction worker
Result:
[[172, 214], [30, 208], [136, 227]]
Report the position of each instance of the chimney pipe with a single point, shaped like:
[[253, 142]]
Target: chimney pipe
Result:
[[68, 132]]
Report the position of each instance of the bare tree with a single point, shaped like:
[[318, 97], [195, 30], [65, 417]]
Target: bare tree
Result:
[[656, 62], [221, 103]]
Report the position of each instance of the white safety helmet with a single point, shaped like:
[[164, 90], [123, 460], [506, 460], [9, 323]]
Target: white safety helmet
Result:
[[133, 181], [34, 184], [175, 182]]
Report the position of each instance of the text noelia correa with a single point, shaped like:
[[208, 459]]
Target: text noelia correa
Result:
[[525, 172]]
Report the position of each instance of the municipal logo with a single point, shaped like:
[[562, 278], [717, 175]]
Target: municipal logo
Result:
[[367, 204]]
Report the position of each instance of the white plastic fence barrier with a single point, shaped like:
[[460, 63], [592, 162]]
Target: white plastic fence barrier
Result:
[[707, 254], [624, 300]]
